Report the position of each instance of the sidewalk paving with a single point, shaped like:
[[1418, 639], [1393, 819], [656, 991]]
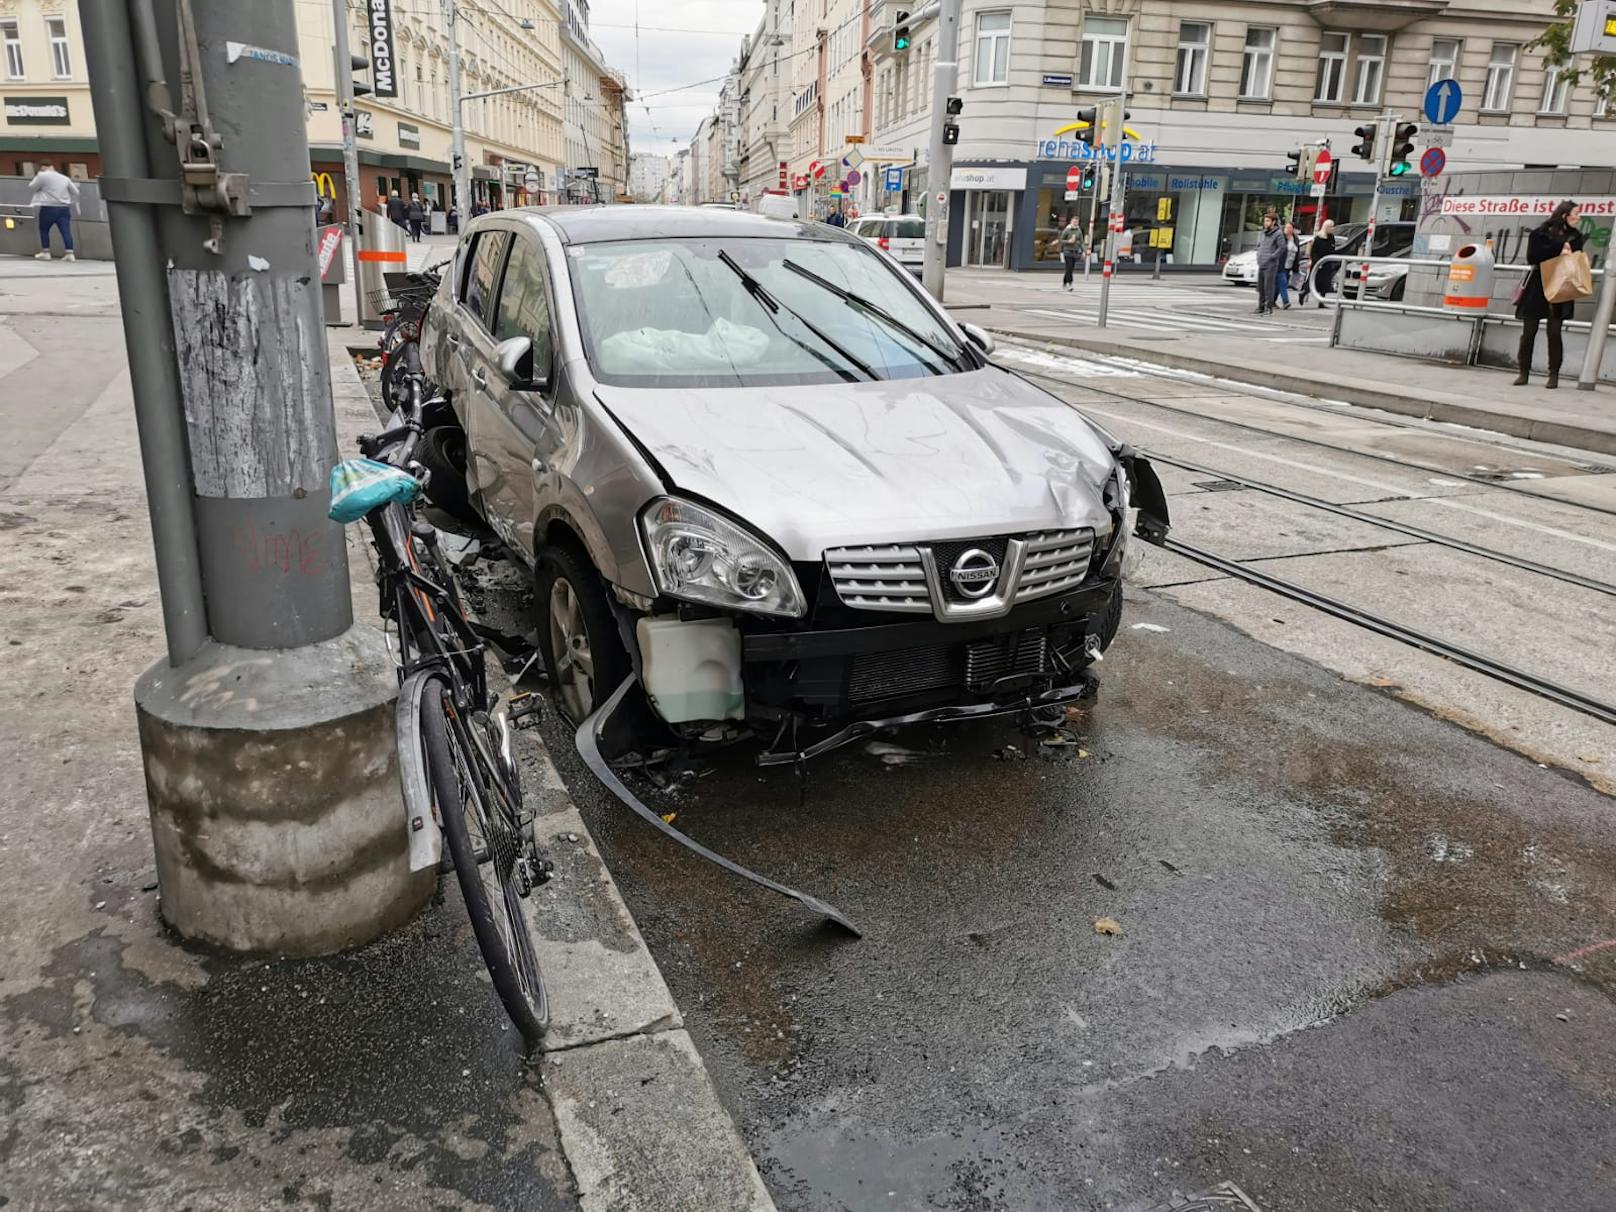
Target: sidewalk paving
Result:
[[136, 1071], [1465, 395]]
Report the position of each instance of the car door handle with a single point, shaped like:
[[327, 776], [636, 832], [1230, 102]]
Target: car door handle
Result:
[[480, 377]]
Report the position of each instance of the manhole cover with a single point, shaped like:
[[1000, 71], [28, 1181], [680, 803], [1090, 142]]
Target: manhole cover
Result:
[[1220, 485], [1222, 1198]]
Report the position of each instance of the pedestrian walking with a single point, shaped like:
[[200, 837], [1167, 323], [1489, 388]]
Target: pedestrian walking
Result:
[[1324, 246], [1270, 253], [1557, 235], [1290, 259], [54, 200], [1071, 248], [397, 212], [416, 214], [836, 218]]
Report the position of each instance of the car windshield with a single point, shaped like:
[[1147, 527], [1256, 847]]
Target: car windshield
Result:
[[673, 313]]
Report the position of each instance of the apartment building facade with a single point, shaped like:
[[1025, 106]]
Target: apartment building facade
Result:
[[593, 119], [403, 127], [1218, 91], [762, 159]]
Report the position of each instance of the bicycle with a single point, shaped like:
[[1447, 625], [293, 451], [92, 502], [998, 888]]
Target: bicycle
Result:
[[460, 780]]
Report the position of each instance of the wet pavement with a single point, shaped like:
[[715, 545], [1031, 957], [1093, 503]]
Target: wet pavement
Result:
[[1334, 983]]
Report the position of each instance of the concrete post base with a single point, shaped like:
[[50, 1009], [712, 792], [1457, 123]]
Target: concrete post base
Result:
[[273, 783]]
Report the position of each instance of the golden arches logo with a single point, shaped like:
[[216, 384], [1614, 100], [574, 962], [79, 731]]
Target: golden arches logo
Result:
[[324, 186], [1128, 132]]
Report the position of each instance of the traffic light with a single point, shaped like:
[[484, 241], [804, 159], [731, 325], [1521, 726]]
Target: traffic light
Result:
[[1402, 148], [1365, 148], [360, 64], [1298, 159], [1089, 133], [953, 107], [1111, 120], [900, 30], [950, 133], [1088, 179]]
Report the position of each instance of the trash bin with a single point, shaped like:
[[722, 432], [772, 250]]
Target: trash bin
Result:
[[381, 251], [1470, 279]]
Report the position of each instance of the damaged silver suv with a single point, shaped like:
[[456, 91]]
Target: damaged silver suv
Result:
[[754, 466]]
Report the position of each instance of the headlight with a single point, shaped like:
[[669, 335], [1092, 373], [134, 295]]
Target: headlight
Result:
[[699, 556]]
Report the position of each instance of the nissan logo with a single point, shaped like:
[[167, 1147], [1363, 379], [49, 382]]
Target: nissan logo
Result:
[[975, 573]]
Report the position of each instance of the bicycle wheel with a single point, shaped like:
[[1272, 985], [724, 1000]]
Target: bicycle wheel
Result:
[[485, 842]]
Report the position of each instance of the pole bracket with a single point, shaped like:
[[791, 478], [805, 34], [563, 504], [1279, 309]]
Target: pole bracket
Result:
[[148, 191]]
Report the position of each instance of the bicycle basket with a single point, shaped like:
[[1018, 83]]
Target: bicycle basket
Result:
[[360, 485]]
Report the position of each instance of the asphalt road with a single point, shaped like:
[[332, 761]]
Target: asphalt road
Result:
[[1336, 983]]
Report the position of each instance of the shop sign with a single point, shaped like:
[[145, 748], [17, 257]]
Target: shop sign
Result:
[[1074, 149], [988, 178], [364, 124], [1523, 206], [408, 135], [37, 111], [384, 77]]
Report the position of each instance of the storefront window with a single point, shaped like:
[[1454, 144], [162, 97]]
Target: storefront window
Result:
[[1053, 212]]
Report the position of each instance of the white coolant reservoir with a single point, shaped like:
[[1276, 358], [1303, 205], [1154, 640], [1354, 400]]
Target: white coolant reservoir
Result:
[[692, 668]]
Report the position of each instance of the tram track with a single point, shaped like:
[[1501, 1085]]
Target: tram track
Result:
[[1543, 687]]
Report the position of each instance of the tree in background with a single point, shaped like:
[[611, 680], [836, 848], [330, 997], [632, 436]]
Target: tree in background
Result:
[[1555, 43]]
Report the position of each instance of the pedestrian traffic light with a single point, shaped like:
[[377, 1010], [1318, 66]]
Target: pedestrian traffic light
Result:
[[1088, 131], [360, 64], [953, 107], [950, 133], [900, 30], [1365, 148], [1088, 180], [1402, 148]]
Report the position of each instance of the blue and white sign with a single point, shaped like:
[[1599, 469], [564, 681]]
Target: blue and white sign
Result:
[[1057, 80], [894, 181], [1442, 102]]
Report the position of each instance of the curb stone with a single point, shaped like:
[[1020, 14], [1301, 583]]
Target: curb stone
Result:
[[640, 1121]]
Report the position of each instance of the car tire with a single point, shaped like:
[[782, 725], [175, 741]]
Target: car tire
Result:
[[442, 451], [571, 599], [1396, 292]]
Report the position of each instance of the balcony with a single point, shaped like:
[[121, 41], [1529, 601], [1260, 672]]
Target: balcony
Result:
[[1373, 16]]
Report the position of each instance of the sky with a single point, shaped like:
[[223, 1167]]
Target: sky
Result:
[[679, 42]]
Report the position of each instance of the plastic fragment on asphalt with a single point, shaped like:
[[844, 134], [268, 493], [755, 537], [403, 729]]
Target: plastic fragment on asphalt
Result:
[[257, 263], [1149, 627], [669, 817], [1107, 925]]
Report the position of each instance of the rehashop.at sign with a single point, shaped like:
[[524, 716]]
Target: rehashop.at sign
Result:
[[383, 76], [1525, 206]]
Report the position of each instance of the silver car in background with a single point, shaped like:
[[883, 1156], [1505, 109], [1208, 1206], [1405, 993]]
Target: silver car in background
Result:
[[749, 461]]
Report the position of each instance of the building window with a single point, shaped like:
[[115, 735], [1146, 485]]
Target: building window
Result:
[[1500, 77], [1555, 90], [13, 41], [1194, 37], [1371, 69], [1257, 68], [1444, 60], [992, 48], [61, 61], [1332, 68], [1105, 46]]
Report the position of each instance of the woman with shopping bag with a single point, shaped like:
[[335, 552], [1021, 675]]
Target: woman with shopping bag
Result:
[[1560, 275]]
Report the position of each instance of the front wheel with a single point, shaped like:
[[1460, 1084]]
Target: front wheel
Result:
[[578, 633], [495, 869]]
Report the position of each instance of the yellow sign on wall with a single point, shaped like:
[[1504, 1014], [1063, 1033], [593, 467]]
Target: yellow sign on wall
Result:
[[1164, 209], [1161, 237]]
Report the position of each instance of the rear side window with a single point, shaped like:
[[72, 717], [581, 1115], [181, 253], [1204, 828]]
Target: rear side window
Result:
[[909, 229], [483, 272], [524, 308]]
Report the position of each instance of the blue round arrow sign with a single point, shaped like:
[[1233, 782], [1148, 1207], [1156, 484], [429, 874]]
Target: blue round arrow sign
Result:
[[1442, 102]]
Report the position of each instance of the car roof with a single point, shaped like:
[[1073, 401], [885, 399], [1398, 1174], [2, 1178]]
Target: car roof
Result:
[[595, 224]]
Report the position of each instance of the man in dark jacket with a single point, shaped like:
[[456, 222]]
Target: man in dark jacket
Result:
[[397, 212], [416, 214], [1270, 257]]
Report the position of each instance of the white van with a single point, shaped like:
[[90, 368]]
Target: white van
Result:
[[904, 236], [777, 206]]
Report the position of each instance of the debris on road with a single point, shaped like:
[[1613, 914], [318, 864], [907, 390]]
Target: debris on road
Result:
[[895, 755], [1107, 925], [1101, 880], [1149, 627]]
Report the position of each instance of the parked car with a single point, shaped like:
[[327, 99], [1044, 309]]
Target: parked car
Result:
[[777, 205], [904, 236], [755, 463], [1241, 269]]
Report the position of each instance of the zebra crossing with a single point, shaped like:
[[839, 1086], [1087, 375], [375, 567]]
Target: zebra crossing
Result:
[[1160, 313]]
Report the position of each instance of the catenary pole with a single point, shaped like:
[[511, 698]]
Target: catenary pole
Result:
[[940, 157], [117, 100], [355, 218], [457, 134]]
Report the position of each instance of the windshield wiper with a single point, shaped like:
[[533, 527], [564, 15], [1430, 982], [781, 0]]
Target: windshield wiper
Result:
[[880, 313], [772, 305]]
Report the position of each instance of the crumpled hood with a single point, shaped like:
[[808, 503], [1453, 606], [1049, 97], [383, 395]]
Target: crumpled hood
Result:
[[943, 457]]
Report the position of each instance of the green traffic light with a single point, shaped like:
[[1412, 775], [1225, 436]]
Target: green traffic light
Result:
[[1400, 169], [901, 42]]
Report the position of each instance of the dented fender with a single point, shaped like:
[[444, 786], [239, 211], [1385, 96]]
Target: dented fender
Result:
[[1146, 495]]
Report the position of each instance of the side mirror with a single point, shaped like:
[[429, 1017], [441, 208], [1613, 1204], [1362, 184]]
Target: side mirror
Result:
[[979, 337], [514, 359]]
